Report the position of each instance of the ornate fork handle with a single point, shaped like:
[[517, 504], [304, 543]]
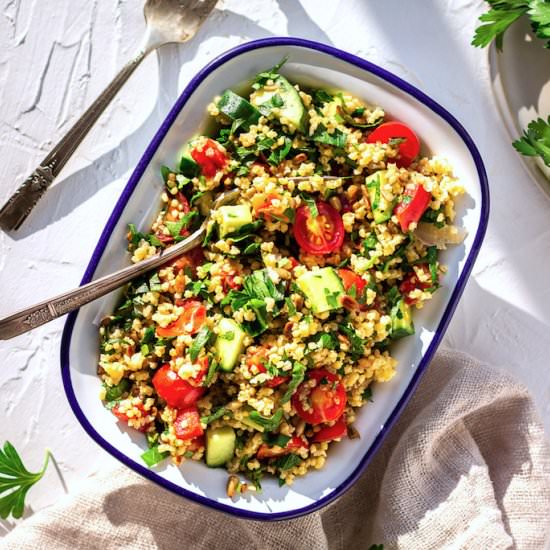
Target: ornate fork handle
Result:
[[19, 205], [46, 311]]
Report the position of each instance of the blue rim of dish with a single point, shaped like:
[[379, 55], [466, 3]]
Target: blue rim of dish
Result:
[[131, 185]]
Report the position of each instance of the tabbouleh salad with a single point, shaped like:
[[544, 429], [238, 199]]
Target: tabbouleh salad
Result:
[[255, 351]]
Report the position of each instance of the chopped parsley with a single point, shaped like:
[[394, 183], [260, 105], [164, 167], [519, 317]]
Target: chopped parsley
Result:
[[298, 373], [218, 413], [200, 341], [153, 456], [268, 424], [287, 462]]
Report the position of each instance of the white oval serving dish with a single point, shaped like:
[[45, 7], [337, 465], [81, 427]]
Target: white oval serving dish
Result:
[[309, 63]]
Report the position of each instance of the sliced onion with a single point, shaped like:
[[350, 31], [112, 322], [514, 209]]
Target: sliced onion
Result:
[[431, 235]]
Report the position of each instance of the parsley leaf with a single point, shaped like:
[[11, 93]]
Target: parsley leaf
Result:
[[287, 462], [336, 138], [280, 154], [273, 440], [112, 393], [200, 341], [539, 12], [268, 424], [176, 228], [311, 204], [326, 340], [218, 413], [501, 15], [367, 394], [535, 140], [271, 74], [298, 373], [153, 456], [357, 348], [16, 479], [321, 96]]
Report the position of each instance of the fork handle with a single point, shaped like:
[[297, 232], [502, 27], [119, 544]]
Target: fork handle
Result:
[[20, 204], [44, 312]]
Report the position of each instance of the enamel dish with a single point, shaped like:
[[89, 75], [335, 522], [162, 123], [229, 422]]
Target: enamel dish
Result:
[[311, 64]]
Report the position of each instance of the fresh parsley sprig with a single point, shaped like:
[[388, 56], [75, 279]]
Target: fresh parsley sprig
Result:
[[535, 140], [503, 13], [15, 481]]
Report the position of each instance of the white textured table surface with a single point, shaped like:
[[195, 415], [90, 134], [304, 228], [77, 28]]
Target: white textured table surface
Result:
[[55, 60]]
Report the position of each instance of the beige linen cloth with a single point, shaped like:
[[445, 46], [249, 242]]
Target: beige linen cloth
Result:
[[466, 466]]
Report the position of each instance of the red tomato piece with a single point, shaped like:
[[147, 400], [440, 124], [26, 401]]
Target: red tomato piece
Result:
[[265, 451], [196, 443], [350, 279], [176, 391], [188, 424], [191, 259], [276, 381], [210, 156], [265, 208], [408, 149], [412, 282], [125, 418], [410, 208], [228, 281], [189, 322], [293, 262], [202, 362], [336, 431], [324, 402], [257, 359], [321, 234]]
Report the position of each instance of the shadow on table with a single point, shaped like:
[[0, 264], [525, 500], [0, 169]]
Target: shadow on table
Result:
[[68, 193]]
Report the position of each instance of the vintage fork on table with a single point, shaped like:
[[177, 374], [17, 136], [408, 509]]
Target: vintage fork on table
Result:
[[168, 21]]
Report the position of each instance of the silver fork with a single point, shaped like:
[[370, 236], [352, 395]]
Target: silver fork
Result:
[[168, 21], [48, 310]]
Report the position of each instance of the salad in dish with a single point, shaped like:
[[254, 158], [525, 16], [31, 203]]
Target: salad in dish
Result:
[[255, 351]]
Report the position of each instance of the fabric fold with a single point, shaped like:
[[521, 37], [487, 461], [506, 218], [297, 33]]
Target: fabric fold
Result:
[[466, 466]]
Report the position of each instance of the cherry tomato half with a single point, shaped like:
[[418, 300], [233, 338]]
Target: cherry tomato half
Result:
[[125, 418], [176, 391], [408, 149], [321, 234], [265, 451], [414, 203], [412, 282], [189, 322], [210, 156], [336, 431], [188, 424], [350, 279], [323, 402]]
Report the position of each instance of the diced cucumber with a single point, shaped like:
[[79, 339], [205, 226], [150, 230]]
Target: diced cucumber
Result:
[[220, 445], [229, 344], [401, 320], [238, 109], [231, 218], [381, 208], [188, 167], [323, 289], [292, 113]]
